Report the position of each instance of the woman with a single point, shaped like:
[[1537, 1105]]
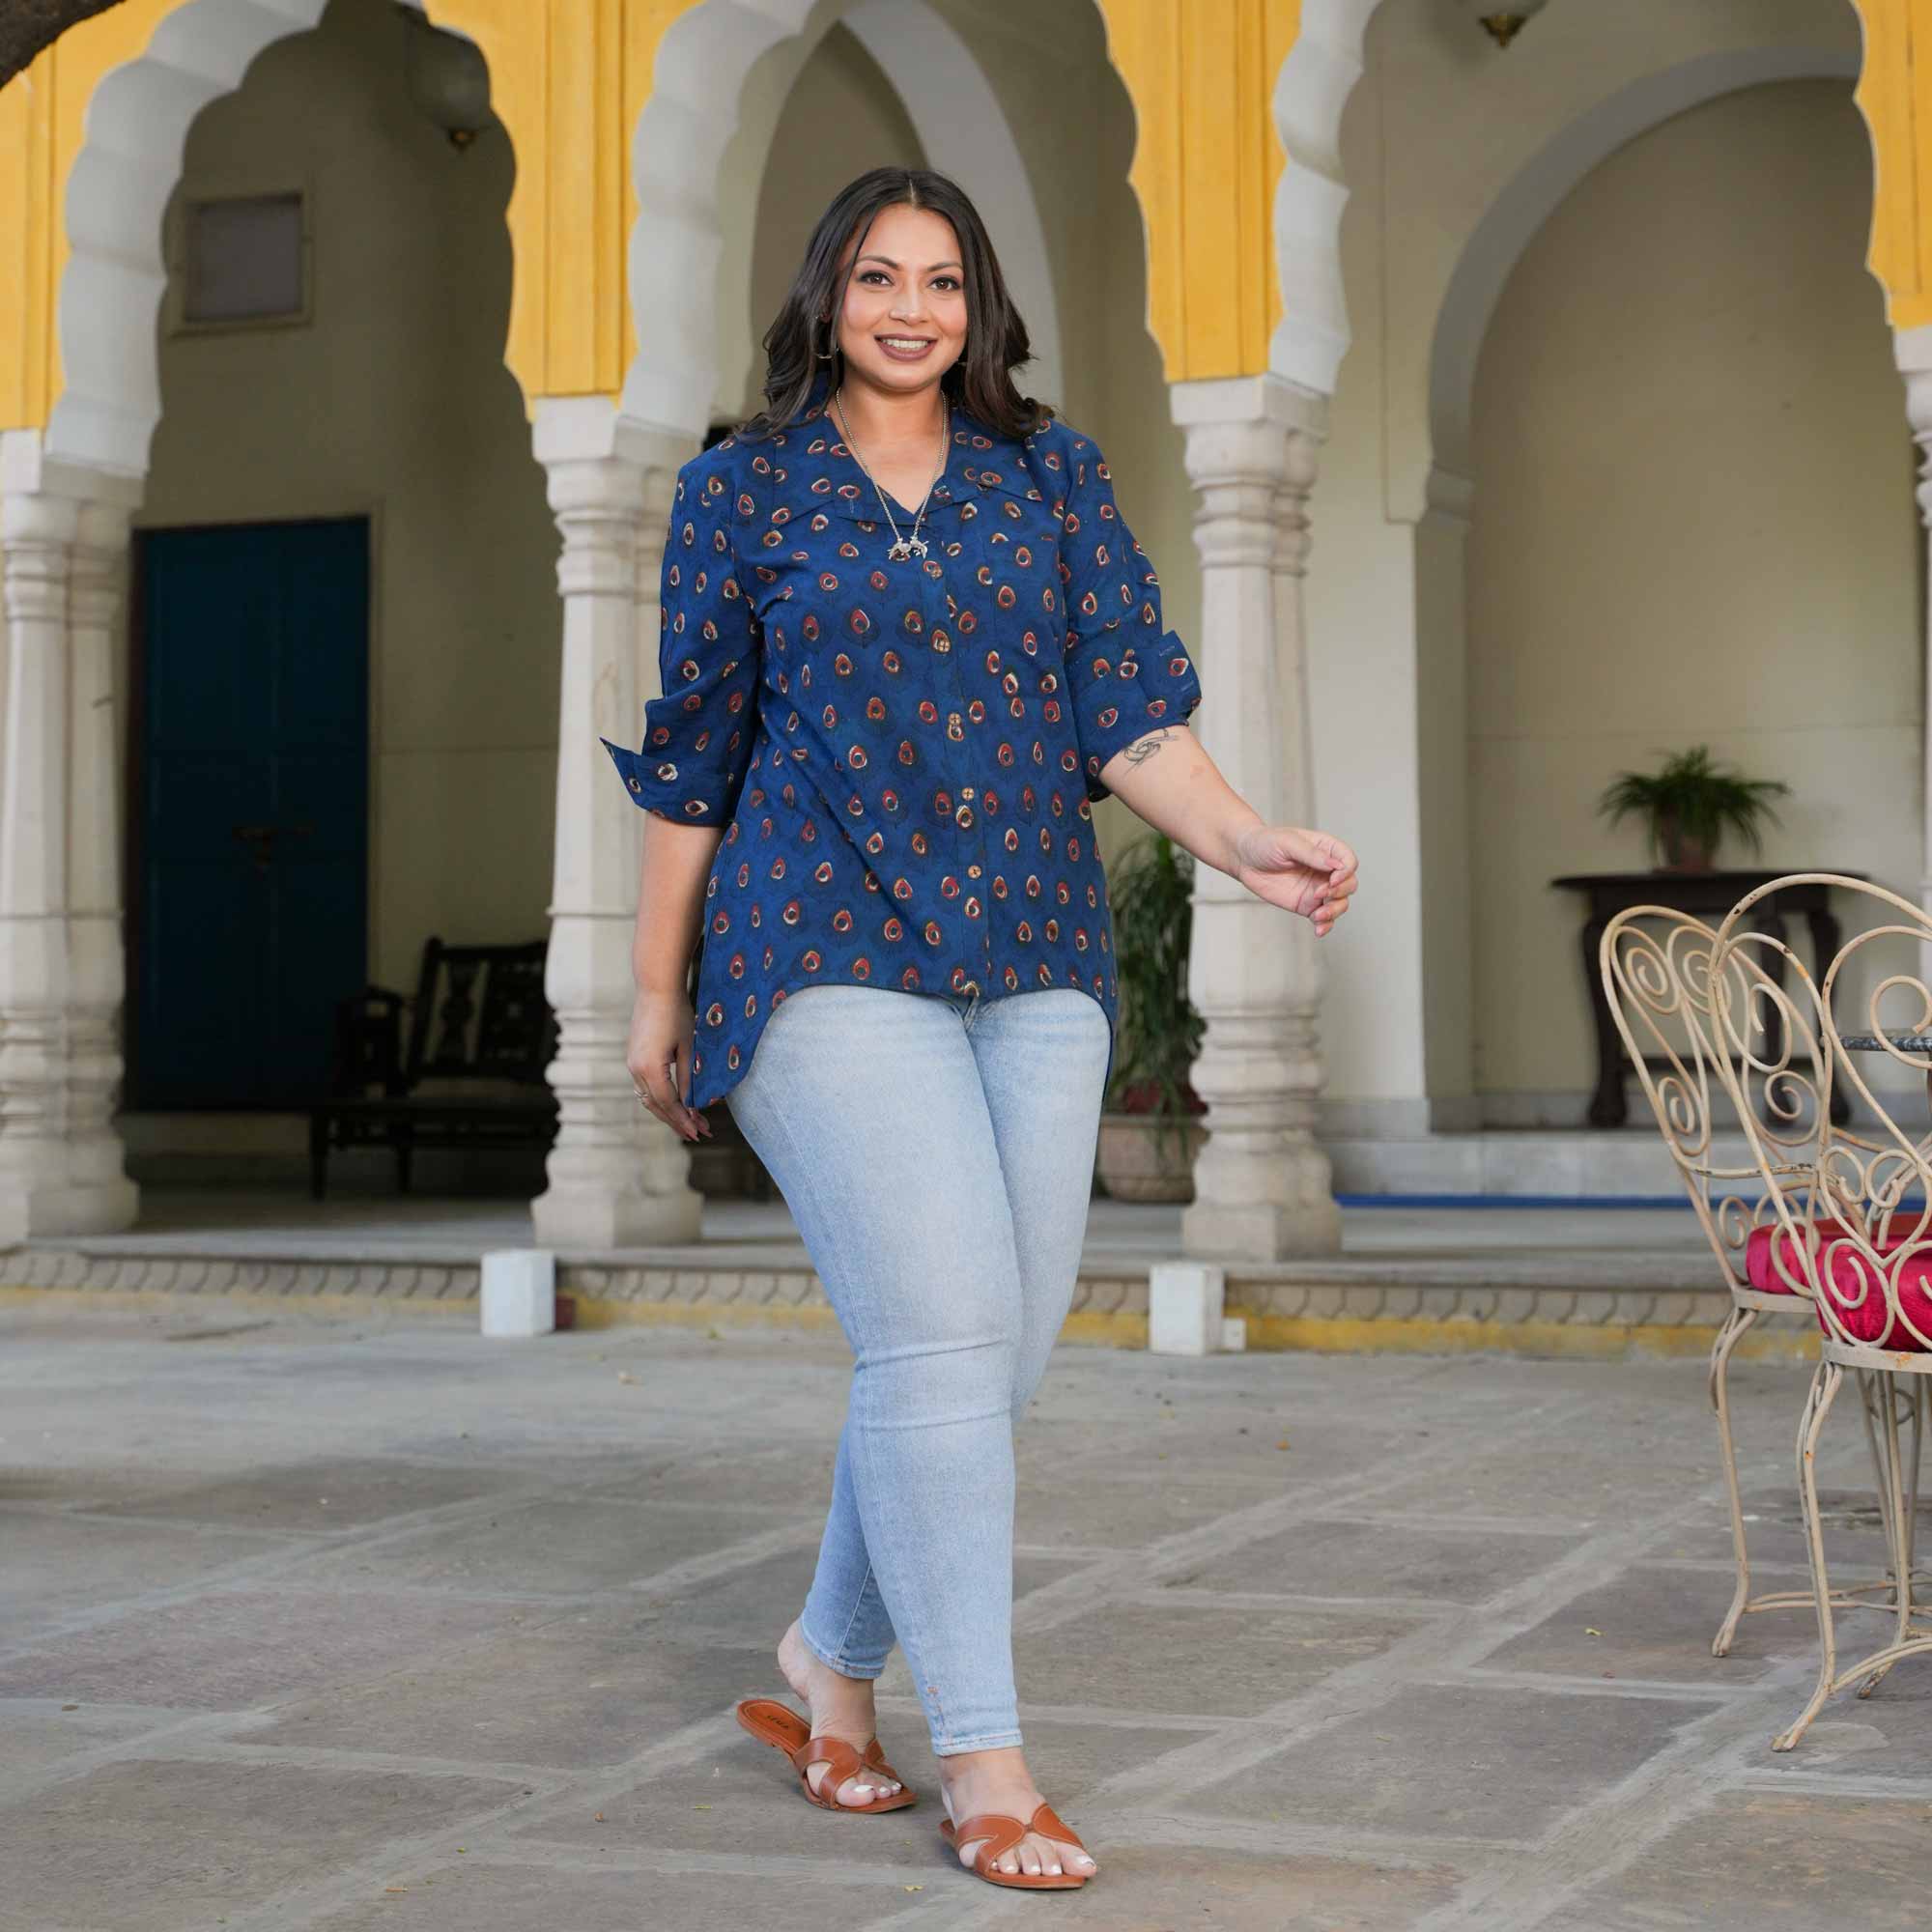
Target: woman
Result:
[[907, 642]]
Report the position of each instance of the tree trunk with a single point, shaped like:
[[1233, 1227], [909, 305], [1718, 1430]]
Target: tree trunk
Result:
[[27, 26]]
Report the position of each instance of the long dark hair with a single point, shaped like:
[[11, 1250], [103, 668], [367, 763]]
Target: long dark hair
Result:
[[980, 381]]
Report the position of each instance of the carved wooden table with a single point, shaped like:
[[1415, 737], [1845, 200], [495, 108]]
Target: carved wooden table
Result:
[[1705, 896]]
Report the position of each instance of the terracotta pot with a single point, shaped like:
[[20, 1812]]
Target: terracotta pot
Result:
[[1682, 854], [1143, 1158]]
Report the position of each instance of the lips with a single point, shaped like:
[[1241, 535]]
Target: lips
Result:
[[904, 349]]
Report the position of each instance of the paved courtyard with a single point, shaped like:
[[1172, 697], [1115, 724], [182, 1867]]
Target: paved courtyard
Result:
[[339, 1625]]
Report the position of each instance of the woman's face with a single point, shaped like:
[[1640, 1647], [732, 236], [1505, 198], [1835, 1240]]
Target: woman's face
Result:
[[903, 323]]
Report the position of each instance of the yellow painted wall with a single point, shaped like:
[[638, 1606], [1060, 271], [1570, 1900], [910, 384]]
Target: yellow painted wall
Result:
[[1201, 75], [1895, 95], [569, 78]]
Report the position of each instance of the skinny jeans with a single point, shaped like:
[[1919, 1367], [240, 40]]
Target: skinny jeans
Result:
[[937, 1150]]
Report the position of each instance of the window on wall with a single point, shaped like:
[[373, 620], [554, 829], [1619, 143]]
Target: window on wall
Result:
[[244, 259]]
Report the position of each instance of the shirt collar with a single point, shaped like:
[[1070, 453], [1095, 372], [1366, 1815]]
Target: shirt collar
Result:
[[979, 460]]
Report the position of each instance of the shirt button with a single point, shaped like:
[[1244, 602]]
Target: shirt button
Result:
[[966, 791]]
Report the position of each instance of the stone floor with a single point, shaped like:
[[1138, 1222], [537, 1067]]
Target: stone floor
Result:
[[340, 1625]]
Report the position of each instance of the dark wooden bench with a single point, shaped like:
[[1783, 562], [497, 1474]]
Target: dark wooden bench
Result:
[[466, 1072]]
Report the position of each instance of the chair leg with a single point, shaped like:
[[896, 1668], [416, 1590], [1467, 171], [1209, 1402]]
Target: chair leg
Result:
[[1897, 1512], [1824, 1386], [1728, 1337], [1868, 1401]]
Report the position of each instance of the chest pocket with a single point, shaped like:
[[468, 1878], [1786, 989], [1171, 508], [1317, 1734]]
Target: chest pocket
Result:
[[1010, 594]]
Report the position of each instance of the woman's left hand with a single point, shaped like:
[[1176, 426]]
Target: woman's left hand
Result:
[[1309, 873]]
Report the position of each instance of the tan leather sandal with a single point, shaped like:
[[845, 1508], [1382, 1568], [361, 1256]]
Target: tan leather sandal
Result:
[[784, 1729], [1001, 1835]]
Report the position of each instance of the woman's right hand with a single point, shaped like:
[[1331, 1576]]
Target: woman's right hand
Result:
[[658, 1057]]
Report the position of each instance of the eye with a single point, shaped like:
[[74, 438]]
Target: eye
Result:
[[876, 275], [951, 283]]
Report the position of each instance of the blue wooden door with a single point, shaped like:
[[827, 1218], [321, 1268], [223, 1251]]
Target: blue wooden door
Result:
[[249, 841]]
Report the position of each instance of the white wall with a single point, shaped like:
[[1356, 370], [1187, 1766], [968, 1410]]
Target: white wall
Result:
[[1693, 524], [1440, 130], [393, 401]]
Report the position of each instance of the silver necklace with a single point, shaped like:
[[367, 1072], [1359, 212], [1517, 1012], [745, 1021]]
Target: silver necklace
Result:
[[904, 548]]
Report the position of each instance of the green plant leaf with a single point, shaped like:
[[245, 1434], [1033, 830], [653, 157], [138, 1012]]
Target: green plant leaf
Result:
[[1151, 891]]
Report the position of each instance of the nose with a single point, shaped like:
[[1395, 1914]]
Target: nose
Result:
[[910, 306]]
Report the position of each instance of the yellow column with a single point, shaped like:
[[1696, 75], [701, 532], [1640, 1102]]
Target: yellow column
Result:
[[1896, 93], [1201, 75]]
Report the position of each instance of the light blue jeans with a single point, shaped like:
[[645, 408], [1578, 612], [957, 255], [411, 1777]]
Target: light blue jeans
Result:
[[937, 1154]]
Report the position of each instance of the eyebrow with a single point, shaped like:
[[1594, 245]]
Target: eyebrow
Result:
[[890, 264]]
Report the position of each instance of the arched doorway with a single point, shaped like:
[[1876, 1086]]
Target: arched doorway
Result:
[[707, 162], [1692, 523], [292, 411]]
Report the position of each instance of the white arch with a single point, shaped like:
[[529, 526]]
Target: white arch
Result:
[[137, 123], [1518, 214], [965, 133], [698, 96], [1310, 93], [136, 128]]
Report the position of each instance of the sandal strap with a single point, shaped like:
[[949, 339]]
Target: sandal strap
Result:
[[840, 1760], [1001, 1835], [1048, 1824], [875, 1759]]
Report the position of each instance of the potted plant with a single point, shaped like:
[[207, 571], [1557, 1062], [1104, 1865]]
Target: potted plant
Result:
[[1148, 1132], [1690, 804]]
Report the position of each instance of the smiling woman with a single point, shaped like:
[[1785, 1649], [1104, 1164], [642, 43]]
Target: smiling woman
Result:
[[908, 643]]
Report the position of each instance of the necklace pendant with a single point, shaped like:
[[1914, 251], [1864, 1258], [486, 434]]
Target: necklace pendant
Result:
[[905, 549]]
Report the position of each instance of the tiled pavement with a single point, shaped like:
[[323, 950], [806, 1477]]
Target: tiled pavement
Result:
[[338, 1625]]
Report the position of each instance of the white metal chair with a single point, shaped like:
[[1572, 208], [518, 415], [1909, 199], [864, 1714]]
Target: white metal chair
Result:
[[1657, 970], [1858, 1238]]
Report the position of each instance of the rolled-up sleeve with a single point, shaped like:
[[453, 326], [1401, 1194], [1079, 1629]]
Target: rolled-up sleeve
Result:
[[698, 736], [1126, 673]]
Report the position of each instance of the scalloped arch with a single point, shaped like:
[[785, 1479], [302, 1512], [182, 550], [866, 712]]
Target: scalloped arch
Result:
[[1326, 61], [705, 58], [163, 63], [1513, 220]]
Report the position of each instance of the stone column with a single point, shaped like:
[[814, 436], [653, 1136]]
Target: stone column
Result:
[[63, 540], [1263, 1189], [1913, 350], [619, 1178]]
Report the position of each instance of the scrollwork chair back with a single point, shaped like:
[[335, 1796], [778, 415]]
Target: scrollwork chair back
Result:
[[1861, 1238], [1657, 968]]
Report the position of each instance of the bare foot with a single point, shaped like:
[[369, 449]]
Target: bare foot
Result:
[[975, 1783], [840, 1707]]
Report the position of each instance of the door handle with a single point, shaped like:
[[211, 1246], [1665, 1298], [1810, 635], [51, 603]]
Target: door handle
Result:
[[263, 838]]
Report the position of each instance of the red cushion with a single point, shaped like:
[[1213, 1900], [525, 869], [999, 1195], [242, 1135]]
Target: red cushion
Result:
[[1856, 1286], [1859, 1304], [1788, 1277]]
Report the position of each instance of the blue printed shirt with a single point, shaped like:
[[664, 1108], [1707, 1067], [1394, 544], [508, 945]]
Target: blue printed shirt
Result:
[[903, 756]]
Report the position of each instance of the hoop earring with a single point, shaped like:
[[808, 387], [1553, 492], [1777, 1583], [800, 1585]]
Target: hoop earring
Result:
[[828, 354]]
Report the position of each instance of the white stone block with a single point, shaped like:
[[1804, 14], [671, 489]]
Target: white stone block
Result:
[[1184, 1303], [1234, 1334], [519, 1293]]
